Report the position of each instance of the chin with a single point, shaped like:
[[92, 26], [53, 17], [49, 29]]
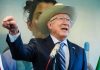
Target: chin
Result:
[[63, 36]]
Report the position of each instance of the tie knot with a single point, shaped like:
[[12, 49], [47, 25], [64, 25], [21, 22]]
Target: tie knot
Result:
[[62, 44]]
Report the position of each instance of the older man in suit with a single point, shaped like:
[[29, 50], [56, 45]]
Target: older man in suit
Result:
[[55, 52]]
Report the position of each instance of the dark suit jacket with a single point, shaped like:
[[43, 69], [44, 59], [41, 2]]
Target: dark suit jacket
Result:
[[38, 52]]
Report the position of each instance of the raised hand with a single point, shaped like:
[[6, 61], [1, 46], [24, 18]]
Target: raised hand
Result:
[[10, 24]]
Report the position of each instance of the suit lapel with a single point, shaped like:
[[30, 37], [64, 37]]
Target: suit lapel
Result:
[[50, 44], [72, 54]]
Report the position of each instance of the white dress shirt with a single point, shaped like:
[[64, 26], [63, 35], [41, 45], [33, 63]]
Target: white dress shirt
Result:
[[13, 37], [1, 65]]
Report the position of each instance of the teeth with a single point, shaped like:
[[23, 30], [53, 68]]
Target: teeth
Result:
[[64, 28]]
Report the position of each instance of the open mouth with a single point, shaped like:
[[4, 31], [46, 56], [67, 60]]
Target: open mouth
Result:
[[64, 29]]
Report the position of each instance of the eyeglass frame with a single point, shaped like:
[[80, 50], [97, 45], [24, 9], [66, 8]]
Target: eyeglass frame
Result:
[[61, 18]]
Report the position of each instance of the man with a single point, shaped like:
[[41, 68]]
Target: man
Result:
[[55, 23], [34, 8]]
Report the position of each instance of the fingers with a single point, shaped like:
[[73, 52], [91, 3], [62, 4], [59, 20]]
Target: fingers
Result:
[[10, 24], [8, 18]]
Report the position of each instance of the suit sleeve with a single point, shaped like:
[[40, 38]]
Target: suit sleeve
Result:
[[20, 51]]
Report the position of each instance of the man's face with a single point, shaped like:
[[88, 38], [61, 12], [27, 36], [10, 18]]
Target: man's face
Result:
[[59, 26], [39, 9]]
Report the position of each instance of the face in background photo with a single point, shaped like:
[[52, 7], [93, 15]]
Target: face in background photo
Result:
[[36, 10]]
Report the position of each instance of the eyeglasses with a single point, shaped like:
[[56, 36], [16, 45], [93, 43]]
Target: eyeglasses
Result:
[[60, 18]]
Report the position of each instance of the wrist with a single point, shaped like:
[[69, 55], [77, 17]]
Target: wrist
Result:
[[14, 31]]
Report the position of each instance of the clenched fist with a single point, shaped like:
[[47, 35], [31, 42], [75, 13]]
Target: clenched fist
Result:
[[10, 24]]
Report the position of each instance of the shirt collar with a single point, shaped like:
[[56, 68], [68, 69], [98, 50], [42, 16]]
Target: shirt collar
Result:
[[55, 40], [65, 41]]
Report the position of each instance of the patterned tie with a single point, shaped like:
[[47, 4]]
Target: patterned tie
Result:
[[61, 58]]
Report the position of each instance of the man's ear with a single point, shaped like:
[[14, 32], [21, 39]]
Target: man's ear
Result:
[[29, 25], [49, 24]]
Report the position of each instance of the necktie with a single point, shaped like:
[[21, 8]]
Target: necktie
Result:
[[61, 58]]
